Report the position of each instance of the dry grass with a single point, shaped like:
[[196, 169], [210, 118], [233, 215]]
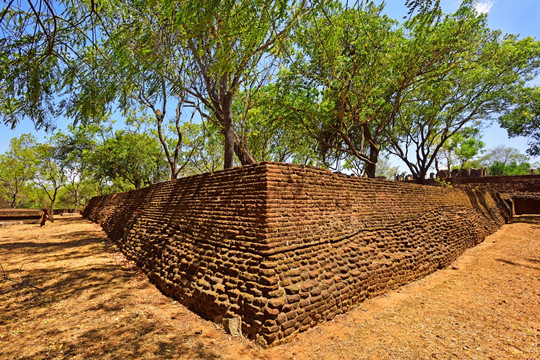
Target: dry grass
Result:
[[95, 304]]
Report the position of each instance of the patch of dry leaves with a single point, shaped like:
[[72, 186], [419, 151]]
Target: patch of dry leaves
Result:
[[93, 304]]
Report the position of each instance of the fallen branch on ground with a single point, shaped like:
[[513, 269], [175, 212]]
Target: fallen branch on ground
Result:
[[18, 284]]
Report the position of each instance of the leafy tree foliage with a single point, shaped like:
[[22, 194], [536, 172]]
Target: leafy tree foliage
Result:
[[18, 167], [513, 168], [422, 6], [344, 63], [504, 160], [503, 155], [40, 41], [465, 149], [407, 89], [51, 173], [72, 153], [202, 54], [474, 71], [524, 119], [134, 158], [320, 83], [272, 129], [70, 168]]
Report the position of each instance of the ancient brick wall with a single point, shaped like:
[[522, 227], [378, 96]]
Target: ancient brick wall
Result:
[[200, 239], [500, 184], [526, 203], [4, 204], [20, 214], [281, 247], [522, 192]]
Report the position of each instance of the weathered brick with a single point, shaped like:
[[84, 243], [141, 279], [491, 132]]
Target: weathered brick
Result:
[[277, 302], [292, 289], [239, 241], [271, 311]]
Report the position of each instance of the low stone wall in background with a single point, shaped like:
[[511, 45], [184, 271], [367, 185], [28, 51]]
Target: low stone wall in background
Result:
[[4, 204], [20, 214], [521, 192], [271, 249], [498, 184]]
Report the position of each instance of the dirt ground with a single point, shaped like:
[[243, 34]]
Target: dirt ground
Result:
[[69, 294]]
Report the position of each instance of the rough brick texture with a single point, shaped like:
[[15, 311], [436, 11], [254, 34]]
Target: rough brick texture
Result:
[[526, 203], [500, 184], [20, 214], [522, 191], [4, 204], [282, 247]]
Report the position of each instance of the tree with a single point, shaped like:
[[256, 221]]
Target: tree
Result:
[[18, 166], [51, 173], [200, 53], [72, 152], [146, 69], [352, 59], [503, 155], [524, 119], [474, 81], [466, 149], [207, 141], [369, 73], [231, 46], [462, 147], [499, 169], [130, 157], [271, 129], [41, 39]]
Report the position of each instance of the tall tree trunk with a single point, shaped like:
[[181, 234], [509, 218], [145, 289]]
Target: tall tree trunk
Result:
[[13, 202], [373, 158], [233, 144], [76, 194], [228, 129], [421, 177], [242, 152], [174, 170], [53, 200]]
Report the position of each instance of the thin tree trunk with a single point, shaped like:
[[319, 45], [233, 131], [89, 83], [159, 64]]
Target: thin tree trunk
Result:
[[76, 200], [242, 152], [13, 201], [53, 200], [229, 137]]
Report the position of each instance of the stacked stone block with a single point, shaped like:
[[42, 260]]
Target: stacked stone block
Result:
[[520, 193], [500, 184], [279, 248]]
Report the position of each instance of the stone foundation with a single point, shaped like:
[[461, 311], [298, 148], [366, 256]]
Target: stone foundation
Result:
[[271, 249]]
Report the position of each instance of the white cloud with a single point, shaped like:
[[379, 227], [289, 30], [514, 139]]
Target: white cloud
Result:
[[483, 7]]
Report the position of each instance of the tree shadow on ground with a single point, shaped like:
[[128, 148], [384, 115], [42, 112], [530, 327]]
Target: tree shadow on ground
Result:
[[45, 246], [92, 301], [518, 264]]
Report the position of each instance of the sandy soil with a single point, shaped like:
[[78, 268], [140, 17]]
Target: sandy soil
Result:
[[67, 293]]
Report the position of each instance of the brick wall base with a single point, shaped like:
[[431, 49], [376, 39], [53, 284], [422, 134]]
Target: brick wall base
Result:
[[270, 249]]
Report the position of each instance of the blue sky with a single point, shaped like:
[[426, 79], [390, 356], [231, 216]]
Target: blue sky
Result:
[[511, 16]]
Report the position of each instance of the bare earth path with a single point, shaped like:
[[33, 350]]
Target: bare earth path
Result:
[[95, 304]]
